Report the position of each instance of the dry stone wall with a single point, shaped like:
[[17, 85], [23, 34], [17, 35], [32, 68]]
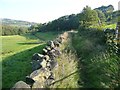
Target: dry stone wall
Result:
[[43, 64]]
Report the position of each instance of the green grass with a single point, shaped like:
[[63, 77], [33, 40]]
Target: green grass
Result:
[[17, 51], [99, 68], [67, 73], [16, 43], [113, 26], [47, 36], [17, 66], [104, 26]]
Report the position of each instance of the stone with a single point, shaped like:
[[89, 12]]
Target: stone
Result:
[[51, 44], [36, 65], [38, 85], [52, 54], [59, 40], [50, 79], [43, 63], [45, 51], [51, 76], [40, 74], [48, 48], [53, 64], [37, 56], [21, 85], [57, 52], [57, 44], [29, 80], [46, 57], [48, 65]]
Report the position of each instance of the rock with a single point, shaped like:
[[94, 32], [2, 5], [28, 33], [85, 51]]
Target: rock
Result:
[[51, 76], [46, 57], [61, 37], [48, 65], [37, 56], [51, 44], [59, 40], [50, 79], [52, 54], [45, 51], [40, 74], [57, 52], [57, 44], [29, 80], [52, 64], [38, 85], [21, 85], [48, 48], [43, 63], [36, 65]]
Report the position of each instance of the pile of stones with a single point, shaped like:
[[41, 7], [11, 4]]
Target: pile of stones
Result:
[[42, 66]]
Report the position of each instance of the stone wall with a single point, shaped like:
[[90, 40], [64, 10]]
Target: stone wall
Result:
[[43, 64]]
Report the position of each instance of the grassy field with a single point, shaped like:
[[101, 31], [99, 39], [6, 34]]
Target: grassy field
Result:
[[48, 36], [16, 55], [16, 43]]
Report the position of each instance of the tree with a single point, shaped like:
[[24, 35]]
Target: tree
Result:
[[101, 16], [89, 17]]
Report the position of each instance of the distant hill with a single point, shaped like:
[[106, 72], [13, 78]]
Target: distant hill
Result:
[[106, 9], [13, 22], [111, 15]]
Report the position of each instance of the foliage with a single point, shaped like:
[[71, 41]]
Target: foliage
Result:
[[99, 67], [106, 9], [67, 22], [110, 40], [101, 16], [89, 17], [34, 28], [13, 30]]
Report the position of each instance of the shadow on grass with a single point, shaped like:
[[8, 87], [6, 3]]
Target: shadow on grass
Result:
[[17, 66], [29, 36], [30, 43]]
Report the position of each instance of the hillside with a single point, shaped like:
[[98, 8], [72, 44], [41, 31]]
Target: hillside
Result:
[[106, 9], [6, 21], [73, 51]]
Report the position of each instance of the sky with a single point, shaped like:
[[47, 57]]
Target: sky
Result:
[[42, 11]]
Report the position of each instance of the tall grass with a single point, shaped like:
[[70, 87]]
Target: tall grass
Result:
[[67, 73], [99, 68]]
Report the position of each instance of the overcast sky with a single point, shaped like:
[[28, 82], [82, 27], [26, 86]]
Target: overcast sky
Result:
[[46, 10]]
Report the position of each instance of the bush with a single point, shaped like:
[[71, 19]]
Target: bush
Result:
[[99, 67]]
